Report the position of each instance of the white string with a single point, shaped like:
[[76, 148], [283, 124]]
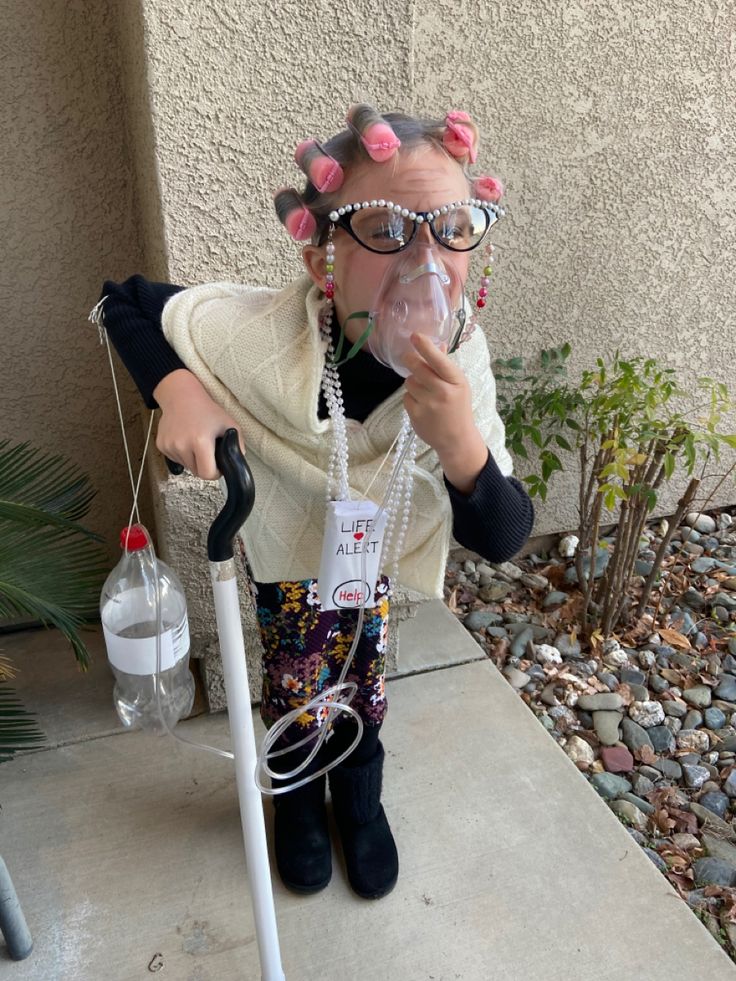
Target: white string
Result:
[[388, 454], [96, 318]]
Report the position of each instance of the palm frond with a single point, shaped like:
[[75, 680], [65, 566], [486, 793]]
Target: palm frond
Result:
[[42, 488], [51, 567], [53, 576], [18, 728]]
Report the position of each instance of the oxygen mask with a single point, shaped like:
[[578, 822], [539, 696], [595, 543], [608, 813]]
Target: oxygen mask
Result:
[[414, 297]]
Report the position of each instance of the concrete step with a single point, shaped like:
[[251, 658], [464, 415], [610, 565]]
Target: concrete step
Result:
[[125, 846]]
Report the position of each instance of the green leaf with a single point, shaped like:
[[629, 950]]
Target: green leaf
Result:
[[356, 346], [43, 489], [690, 451], [51, 568], [18, 728]]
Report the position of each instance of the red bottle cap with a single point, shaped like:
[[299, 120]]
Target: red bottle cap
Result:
[[136, 538]]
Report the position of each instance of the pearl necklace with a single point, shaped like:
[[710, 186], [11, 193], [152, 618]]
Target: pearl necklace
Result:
[[338, 487]]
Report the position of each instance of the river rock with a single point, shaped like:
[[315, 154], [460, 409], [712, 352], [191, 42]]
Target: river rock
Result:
[[546, 654], [601, 701], [647, 713], [610, 785], [606, 726], [714, 718], [699, 696], [634, 735], [719, 848], [517, 679], [670, 768], [729, 786], [555, 598], [518, 644], [695, 776], [701, 522], [579, 750], [567, 647], [629, 812], [617, 759], [695, 740], [712, 808], [713, 871], [726, 688], [495, 591], [675, 708], [662, 739], [510, 570], [480, 619], [568, 545]]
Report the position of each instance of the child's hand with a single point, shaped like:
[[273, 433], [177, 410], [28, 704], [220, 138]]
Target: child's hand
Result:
[[190, 422], [438, 398]]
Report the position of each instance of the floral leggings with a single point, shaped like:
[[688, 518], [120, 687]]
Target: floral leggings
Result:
[[304, 650]]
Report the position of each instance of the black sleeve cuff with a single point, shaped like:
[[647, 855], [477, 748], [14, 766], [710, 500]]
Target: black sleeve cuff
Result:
[[496, 519], [132, 317]]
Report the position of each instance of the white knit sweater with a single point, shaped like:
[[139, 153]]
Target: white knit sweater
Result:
[[259, 354]]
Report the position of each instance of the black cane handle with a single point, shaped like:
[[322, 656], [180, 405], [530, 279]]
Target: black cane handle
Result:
[[241, 493]]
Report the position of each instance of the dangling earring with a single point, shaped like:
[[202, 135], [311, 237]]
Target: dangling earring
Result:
[[327, 311], [466, 329], [486, 277], [330, 266]]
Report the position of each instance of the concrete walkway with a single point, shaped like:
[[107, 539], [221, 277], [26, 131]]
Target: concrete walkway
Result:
[[124, 847]]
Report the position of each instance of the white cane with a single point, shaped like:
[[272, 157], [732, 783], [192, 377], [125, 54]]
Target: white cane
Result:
[[240, 496]]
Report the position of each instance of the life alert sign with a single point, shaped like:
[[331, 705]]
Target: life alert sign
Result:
[[350, 533]]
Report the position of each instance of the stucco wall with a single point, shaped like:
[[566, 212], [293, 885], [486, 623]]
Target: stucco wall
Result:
[[151, 141], [611, 125], [69, 221]]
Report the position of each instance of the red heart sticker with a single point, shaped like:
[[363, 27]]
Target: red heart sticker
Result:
[[357, 535]]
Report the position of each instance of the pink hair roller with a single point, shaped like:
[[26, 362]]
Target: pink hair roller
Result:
[[294, 215], [380, 141], [460, 138], [488, 188], [321, 169], [376, 135], [300, 225]]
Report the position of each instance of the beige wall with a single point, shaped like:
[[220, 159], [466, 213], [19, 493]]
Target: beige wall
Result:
[[151, 142], [611, 129], [69, 220]]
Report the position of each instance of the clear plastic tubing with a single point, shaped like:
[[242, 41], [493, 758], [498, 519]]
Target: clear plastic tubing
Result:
[[335, 699]]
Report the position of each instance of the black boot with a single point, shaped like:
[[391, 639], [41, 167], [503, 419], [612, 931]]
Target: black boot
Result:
[[301, 833], [367, 843]]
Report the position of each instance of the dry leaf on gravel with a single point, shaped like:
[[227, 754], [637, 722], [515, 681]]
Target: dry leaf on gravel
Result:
[[645, 754], [624, 690], [675, 638], [555, 574], [682, 881], [663, 821]]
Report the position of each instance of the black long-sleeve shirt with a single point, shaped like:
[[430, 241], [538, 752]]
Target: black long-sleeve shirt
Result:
[[494, 520]]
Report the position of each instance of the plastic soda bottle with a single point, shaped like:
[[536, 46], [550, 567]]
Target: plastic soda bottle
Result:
[[128, 610]]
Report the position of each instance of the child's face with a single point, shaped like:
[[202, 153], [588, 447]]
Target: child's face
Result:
[[420, 180]]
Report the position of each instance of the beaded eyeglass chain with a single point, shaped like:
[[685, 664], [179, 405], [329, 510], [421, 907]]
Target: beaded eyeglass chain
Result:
[[338, 486]]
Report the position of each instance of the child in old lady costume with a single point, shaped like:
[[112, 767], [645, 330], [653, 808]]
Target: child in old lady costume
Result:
[[319, 401]]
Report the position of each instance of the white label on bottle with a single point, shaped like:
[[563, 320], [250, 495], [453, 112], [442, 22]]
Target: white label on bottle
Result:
[[350, 531], [137, 655]]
